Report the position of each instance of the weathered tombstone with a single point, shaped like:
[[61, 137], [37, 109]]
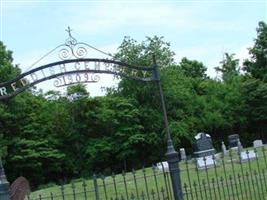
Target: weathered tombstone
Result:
[[247, 155], [203, 145], [257, 143], [224, 150], [239, 146], [205, 162], [233, 141], [19, 189], [182, 154], [163, 166]]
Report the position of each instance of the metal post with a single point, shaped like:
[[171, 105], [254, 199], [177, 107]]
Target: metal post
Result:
[[4, 184], [96, 187], [171, 154]]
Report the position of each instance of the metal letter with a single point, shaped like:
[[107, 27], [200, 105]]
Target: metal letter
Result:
[[78, 78], [13, 85], [62, 68], [77, 65], [23, 81], [70, 79], [52, 70], [86, 65], [97, 65], [134, 73], [3, 91], [43, 73], [34, 77], [107, 66], [144, 74]]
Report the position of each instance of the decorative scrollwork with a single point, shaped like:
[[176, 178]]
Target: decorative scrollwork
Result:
[[95, 77], [57, 82], [80, 52], [72, 48], [71, 41], [65, 53]]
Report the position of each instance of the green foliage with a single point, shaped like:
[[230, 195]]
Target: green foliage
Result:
[[7, 69], [77, 90], [141, 54], [254, 94], [229, 67], [193, 68], [256, 66]]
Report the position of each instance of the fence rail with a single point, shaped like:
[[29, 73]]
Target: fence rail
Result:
[[236, 175]]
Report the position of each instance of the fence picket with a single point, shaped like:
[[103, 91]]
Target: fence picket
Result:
[[156, 180]]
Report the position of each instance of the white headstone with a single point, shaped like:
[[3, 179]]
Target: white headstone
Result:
[[163, 166], [182, 154], [224, 150], [247, 155], [205, 162], [257, 143], [239, 146]]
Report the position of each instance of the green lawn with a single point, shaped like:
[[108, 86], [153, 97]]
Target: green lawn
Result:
[[229, 179]]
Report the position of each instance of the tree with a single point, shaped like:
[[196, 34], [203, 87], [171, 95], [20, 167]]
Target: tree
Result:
[[229, 67], [146, 94], [8, 71], [254, 94], [135, 53], [140, 54], [256, 66], [76, 91], [193, 68]]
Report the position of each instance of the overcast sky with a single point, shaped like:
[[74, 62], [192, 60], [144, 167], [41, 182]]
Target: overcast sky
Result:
[[201, 30]]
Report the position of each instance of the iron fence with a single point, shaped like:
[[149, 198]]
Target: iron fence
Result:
[[147, 183], [236, 175]]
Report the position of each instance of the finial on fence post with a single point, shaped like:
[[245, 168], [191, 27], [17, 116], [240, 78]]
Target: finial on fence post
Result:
[[4, 184]]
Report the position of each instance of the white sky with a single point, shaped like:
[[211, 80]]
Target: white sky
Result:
[[201, 30]]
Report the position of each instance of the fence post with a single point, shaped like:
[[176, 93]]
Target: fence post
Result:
[[4, 184], [171, 154], [172, 158], [96, 188]]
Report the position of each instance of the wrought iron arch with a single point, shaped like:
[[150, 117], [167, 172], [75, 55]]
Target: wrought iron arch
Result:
[[85, 66]]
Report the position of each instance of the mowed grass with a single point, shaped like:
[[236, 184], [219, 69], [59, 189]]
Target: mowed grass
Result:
[[229, 179]]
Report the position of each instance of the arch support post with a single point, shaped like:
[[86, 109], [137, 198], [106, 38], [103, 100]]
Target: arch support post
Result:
[[171, 154], [4, 184]]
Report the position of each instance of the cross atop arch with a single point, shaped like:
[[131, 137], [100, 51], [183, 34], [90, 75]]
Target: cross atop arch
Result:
[[69, 31]]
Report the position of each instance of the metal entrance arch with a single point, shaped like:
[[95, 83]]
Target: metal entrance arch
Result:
[[76, 65]]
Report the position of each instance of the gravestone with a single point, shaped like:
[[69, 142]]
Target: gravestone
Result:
[[205, 162], [224, 150], [257, 143], [19, 189], [233, 141], [163, 166], [239, 146], [203, 145], [247, 155], [182, 154]]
